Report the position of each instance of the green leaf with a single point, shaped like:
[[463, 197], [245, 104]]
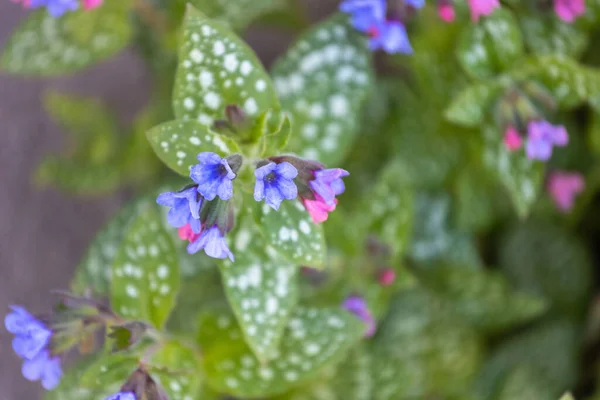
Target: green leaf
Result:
[[422, 350], [524, 384], [473, 104], [489, 47], [522, 177], [569, 82], [145, 273], [216, 69], [176, 367], [177, 143], [389, 209], [545, 34], [434, 240], [237, 14], [314, 339], [45, 45], [531, 348], [323, 81], [108, 370], [262, 289], [95, 270], [70, 387], [548, 261], [483, 297], [292, 233]]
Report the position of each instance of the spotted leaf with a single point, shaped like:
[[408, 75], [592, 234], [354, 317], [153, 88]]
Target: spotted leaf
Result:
[[216, 69], [522, 177], [293, 234], [45, 45], [423, 350], [239, 13], [544, 33], [107, 370], [314, 339], [177, 143], [489, 47], [145, 273], [175, 367], [569, 82], [95, 270], [323, 81], [473, 104], [262, 289]]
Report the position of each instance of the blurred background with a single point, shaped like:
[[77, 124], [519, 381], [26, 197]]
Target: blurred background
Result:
[[45, 232]]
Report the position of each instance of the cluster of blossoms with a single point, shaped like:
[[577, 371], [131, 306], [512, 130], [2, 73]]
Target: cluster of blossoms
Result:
[[57, 8], [31, 343], [383, 23], [203, 211]]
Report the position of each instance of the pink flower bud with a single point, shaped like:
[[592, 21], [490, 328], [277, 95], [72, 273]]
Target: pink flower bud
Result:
[[91, 4], [387, 276], [564, 187], [446, 12], [512, 139]]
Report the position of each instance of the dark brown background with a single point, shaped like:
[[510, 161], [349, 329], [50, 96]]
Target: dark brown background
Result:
[[43, 232]]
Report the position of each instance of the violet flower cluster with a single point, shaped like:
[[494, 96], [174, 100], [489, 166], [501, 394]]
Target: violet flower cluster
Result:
[[31, 343], [382, 22], [203, 213], [57, 8], [540, 141]]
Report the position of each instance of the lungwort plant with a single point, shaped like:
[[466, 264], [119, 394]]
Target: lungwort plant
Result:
[[403, 206]]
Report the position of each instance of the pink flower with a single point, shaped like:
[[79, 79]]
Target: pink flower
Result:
[[482, 7], [26, 3], [446, 12], [318, 209], [386, 277], [512, 139], [564, 187], [568, 10], [186, 233], [91, 4]]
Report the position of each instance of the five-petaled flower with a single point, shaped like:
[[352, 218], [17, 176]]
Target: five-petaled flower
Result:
[[213, 243], [358, 306], [185, 207], [542, 136], [328, 183], [569, 10], [564, 187], [370, 17], [482, 8], [275, 183], [31, 341], [213, 176], [56, 8], [122, 396]]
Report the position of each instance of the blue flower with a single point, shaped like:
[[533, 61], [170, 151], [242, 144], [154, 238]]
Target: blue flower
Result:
[[213, 176], [275, 182], [542, 136], [122, 396], [213, 243], [365, 13], [31, 335], [390, 36], [415, 3], [185, 207], [328, 184], [56, 8], [358, 306], [45, 368]]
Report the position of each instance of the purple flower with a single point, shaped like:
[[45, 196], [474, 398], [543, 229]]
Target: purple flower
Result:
[[213, 176], [328, 184], [542, 137], [415, 3], [185, 207], [275, 182], [569, 10], [365, 13], [31, 335], [389, 36], [358, 306], [56, 8], [45, 368], [122, 396], [213, 243], [564, 188]]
